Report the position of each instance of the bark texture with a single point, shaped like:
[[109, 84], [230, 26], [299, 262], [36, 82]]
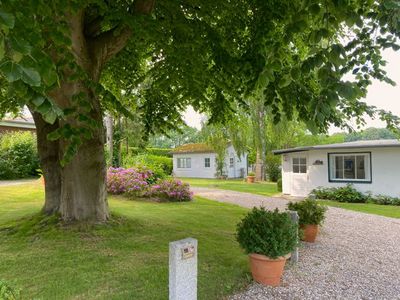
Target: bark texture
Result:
[[49, 161]]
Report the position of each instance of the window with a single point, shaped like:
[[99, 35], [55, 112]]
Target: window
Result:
[[231, 162], [184, 163], [299, 165], [207, 162], [350, 167]]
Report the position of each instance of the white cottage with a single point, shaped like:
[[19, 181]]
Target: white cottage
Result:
[[371, 166], [199, 160]]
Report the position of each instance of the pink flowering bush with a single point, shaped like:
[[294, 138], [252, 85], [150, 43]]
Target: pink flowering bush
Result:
[[127, 181], [141, 182], [171, 190]]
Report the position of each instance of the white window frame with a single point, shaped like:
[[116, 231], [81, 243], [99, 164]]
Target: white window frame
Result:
[[207, 162], [299, 164], [231, 162], [184, 163], [367, 167]]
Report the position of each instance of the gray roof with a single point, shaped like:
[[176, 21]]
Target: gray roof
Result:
[[347, 145]]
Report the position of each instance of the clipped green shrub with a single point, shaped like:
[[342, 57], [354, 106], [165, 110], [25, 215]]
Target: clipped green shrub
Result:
[[18, 155], [153, 151], [309, 211], [251, 174], [158, 164], [341, 194], [279, 185], [270, 233], [7, 292]]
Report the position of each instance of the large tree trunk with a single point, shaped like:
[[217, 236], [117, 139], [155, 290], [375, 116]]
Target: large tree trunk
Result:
[[49, 161], [260, 166], [77, 190], [258, 120], [83, 191]]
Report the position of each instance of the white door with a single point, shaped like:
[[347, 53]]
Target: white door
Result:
[[299, 182]]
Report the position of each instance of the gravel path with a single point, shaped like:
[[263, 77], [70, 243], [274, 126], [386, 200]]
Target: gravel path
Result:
[[356, 256]]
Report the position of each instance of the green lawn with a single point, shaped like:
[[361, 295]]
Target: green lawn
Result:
[[125, 259], [382, 210], [264, 188]]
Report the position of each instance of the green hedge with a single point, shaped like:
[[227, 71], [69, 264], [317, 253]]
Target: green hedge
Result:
[[152, 151], [18, 155], [154, 162]]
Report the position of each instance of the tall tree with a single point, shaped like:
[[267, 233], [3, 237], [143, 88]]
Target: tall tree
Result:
[[171, 54]]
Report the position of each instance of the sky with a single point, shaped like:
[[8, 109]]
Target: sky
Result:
[[380, 94]]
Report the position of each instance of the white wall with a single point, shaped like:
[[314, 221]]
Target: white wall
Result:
[[239, 167], [385, 163], [197, 165], [200, 171]]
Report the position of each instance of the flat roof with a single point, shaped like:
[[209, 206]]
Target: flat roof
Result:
[[18, 123], [347, 145]]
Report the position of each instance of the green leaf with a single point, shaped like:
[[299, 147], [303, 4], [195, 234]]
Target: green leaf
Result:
[[7, 19], [44, 108], [54, 135], [30, 76], [38, 101], [11, 71], [21, 46], [285, 81], [50, 116]]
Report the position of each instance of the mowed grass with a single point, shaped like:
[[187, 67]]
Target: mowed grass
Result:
[[369, 208], [125, 259], [239, 185]]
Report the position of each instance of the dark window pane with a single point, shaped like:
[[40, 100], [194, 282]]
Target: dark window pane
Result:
[[349, 167], [339, 167], [296, 169], [188, 163], [303, 161], [303, 169], [295, 160], [360, 167]]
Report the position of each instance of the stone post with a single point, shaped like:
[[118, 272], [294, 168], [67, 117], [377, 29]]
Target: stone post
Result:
[[294, 258], [183, 269]]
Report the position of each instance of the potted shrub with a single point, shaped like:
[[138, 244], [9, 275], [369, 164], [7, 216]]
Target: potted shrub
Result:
[[311, 215], [251, 177], [268, 237]]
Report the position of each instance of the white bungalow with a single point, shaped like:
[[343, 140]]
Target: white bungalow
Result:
[[371, 166], [199, 160]]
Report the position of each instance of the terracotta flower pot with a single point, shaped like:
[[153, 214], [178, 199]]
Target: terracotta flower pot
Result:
[[310, 232], [251, 179], [266, 270]]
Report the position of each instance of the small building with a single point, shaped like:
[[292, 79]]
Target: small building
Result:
[[17, 124], [371, 166], [199, 160]]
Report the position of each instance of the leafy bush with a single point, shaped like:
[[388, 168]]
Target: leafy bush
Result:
[[273, 167], [142, 182], [7, 292], [384, 200], [160, 165], [171, 190], [251, 174], [270, 233], [166, 152], [342, 194], [129, 181], [279, 184], [18, 155], [309, 211]]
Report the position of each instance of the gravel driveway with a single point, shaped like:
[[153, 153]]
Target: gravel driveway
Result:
[[356, 256]]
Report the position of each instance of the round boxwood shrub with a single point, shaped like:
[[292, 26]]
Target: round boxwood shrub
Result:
[[270, 233], [310, 211]]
